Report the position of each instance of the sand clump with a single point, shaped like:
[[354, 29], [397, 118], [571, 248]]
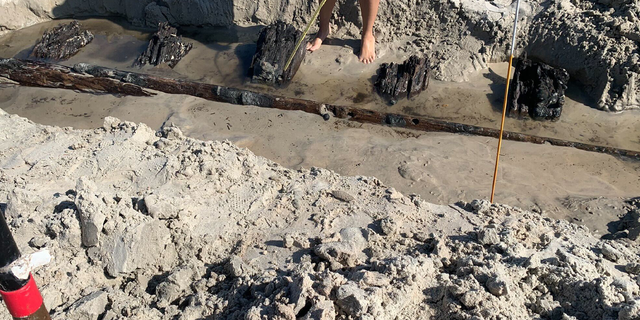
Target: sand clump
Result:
[[601, 49], [155, 225]]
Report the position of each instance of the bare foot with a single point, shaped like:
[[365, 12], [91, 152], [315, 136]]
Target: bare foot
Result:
[[317, 42], [368, 50]]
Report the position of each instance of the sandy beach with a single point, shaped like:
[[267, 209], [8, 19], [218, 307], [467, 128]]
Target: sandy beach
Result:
[[175, 207]]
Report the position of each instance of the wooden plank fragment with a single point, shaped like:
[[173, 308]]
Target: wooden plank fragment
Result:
[[406, 80], [538, 90], [165, 46], [275, 44], [62, 42]]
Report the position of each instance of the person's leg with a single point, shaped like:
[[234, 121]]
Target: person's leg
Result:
[[325, 16], [369, 11]]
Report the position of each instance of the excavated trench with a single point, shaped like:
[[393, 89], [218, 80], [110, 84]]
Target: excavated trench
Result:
[[596, 41], [222, 56]]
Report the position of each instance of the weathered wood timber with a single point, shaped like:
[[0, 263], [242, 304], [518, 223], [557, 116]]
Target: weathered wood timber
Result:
[[40, 74], [275, 44], [396, 81], [62, 42], [90, 78], [165, 46], [538, 90]]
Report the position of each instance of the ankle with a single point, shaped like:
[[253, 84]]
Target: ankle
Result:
[[367, 35], [323, 31]]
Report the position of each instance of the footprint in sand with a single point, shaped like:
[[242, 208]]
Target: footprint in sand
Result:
[[414, 171]]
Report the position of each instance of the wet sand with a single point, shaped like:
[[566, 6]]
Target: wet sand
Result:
[[443, 168]]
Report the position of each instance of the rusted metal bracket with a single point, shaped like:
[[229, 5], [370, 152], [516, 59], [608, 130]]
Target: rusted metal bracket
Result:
[[96, 79]]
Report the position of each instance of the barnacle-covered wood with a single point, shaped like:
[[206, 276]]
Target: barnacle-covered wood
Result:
[[538, 90], [275, 45], [397, 81], [165, 46], [62, 42]]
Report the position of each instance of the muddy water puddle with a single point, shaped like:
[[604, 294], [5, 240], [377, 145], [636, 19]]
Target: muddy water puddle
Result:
[[333, 75]]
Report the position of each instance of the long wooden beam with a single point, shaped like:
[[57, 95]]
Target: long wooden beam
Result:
[[96, 79], [37, 74]]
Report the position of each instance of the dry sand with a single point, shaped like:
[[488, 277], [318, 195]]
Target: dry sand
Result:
[[147, 225]]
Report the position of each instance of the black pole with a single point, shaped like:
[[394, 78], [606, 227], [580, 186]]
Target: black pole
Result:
[[8, 254], [22, 297]]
